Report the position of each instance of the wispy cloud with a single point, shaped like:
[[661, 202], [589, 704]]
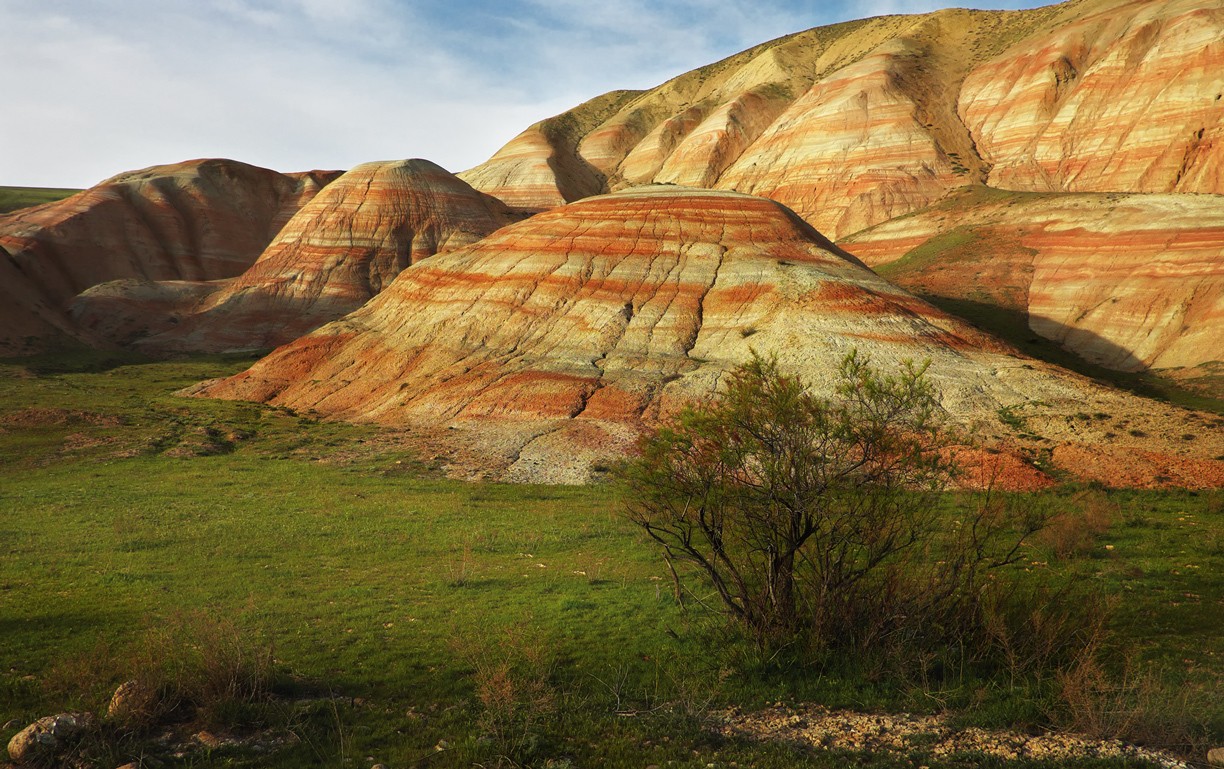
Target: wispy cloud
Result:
[[94, 88]]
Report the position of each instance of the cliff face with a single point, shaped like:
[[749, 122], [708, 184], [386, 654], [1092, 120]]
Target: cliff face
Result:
[[553, 342], [337, 251], [200, 220], [858, 123], [1127, 281]]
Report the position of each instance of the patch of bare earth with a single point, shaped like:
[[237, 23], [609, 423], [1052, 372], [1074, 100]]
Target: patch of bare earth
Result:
[[52, 417]]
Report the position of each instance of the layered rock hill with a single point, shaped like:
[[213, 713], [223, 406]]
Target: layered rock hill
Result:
[[548, 346], [199, 220], [337, 251], [1127, 281], [857, 123], [1126, 95]]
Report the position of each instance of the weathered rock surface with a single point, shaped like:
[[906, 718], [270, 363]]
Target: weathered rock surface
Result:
[[540, 168], [42, 740], [835, 122], [1123, 95], [1127, 281], [127, 311], [132, 703], [199, 220], [340, 249], [551, 344]]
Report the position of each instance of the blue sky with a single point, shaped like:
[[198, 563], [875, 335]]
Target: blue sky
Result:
[[95, 87]]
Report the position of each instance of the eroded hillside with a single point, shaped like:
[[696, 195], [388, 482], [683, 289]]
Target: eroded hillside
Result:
[[195, 221], [549, 346]]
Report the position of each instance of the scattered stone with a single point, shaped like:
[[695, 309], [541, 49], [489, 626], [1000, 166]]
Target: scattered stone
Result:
[[379, 766], [1215, 757], [132, 701], [904, 733], [47, 736]]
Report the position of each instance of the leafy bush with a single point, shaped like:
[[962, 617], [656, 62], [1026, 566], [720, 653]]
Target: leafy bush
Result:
[[817, 518]]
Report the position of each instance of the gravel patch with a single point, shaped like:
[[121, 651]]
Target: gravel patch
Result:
[[818, 727]]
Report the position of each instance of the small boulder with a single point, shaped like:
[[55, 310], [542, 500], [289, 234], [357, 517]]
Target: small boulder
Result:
[[41, 740], [1215, 757], [132, 702]]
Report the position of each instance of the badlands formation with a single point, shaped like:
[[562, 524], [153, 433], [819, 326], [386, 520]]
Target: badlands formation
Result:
[[865, 122], [544, 350], [1127, 281], [861, 122], [195, 221], [336, 253], [1060, 166]]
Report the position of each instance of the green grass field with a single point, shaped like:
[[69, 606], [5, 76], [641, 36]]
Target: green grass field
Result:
[[13, 198], [407, 612]]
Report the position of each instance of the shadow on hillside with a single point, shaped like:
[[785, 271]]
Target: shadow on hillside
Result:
[[85, 361], [1013, 326]]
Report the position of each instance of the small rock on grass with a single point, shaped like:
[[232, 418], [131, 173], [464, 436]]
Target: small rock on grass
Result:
[[1215, 757], [41, 740], [132, 701]]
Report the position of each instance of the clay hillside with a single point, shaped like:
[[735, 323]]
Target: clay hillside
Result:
[[337, 251], [196, 221], [1054, 175], [866, 123], [542, 352]]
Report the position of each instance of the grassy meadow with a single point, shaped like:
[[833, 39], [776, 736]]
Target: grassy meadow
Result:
[[391, 615]]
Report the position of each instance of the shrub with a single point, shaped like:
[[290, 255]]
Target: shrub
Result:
[[514, 687], [1137, 704], [202, 667], [1075, 530], [818, 518]]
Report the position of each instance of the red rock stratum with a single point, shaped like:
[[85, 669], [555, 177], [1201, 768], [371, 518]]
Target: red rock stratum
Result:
[[196, 221], [1127, 281], [337, 251], [548, 346]]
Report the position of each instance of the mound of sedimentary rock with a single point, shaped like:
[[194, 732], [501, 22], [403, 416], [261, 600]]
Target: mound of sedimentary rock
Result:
[[1128, 281], [340, 249], [857, 123], [1119, 95], [548, 346], [196, 221]]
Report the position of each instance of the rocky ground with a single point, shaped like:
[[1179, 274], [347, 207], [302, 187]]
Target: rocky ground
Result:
[[913, 735]]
